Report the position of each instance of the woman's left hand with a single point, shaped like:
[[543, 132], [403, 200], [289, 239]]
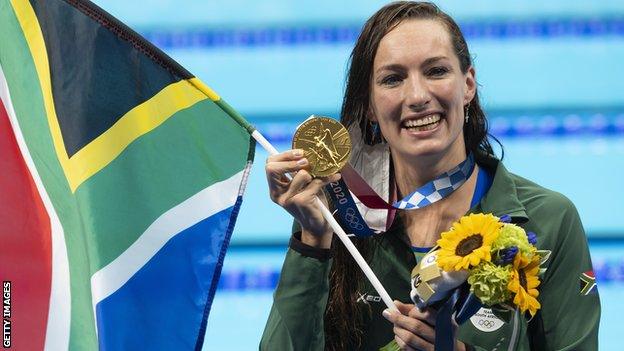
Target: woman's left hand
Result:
[[414, 329]]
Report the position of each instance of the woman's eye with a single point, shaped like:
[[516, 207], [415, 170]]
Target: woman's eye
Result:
[[437, 71], [392, 79]]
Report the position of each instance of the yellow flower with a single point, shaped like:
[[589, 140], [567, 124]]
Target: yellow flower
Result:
[[524, 283], [468, 242]]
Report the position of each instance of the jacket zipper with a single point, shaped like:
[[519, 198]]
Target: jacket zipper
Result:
[[514, 333]]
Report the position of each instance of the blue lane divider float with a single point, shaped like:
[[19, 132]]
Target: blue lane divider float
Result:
[[609, 271], [266, 278], [238, 279], [179, 38], [504, 125]]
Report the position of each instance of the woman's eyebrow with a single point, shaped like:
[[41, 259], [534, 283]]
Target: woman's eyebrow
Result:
[[433, 60], [390, 67], [398, 67]]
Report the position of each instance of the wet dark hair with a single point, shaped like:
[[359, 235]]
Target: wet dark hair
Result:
[[343, 319]]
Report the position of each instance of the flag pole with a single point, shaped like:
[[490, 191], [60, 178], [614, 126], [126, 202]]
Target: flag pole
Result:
[[339, 232]]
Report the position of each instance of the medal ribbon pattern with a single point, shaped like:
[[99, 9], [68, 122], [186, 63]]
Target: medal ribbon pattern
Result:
[[433, 191]]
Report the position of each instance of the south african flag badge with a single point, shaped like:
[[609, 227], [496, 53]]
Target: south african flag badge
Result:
[[588, 283]]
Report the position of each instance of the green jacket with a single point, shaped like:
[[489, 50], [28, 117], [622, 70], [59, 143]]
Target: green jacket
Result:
[[567, 320]]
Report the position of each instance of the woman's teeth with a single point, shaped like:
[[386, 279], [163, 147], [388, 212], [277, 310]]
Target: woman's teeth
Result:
[[422, 124]]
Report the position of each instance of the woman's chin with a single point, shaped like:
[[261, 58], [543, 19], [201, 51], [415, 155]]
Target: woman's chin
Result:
[[425, 151]]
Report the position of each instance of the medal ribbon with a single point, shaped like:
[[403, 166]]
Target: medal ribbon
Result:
[[348, 212], [431, 192], [439, 188]]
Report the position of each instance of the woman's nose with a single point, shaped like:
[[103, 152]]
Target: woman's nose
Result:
[[417, 95]]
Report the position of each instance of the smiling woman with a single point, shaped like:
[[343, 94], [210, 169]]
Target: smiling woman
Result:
[[420, 135]]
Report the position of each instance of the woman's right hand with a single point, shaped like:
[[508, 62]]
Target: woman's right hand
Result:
[[297, 196]]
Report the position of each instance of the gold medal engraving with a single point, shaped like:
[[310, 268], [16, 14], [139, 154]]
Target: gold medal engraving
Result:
[[325, 143]]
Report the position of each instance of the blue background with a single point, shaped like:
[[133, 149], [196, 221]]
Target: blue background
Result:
[[551, 80]]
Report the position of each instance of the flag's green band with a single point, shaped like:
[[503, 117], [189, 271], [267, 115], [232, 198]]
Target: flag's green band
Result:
[[235, 115], [175, 156], [140, 120]]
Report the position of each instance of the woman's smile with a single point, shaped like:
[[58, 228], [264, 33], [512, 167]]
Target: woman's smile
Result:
[[425, 123]]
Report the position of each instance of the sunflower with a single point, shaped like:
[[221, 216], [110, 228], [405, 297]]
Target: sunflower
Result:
[[468, 242], [524, 283]]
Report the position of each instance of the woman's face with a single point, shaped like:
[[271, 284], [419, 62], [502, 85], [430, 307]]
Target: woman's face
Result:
[[418, 91]]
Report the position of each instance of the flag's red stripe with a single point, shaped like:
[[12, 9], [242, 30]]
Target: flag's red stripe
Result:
[[589, 274], [25, 239]]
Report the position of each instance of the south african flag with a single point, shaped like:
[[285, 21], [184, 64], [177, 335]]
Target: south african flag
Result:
[[588, 283], [121, 176]]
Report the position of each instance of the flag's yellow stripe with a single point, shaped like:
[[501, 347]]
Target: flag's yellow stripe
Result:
[[32, 32], [205, 89], [140, 120]]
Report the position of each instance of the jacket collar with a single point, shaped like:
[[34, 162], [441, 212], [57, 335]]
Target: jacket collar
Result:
[[502, 198]]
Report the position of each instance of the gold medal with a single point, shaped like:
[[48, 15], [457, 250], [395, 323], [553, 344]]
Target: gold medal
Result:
[[325, 143]]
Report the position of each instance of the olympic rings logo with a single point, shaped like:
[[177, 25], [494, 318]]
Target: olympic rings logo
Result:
[[352, 220], [486, 323]]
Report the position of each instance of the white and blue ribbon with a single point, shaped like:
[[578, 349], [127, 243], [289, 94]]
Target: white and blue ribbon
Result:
[[439, 188], [433, 191]]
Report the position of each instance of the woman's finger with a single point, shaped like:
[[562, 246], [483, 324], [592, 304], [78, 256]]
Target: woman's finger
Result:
[[278, 169], [278, 165], [404, 308], [315, 186], [307, 196], [416, 326], [412, 325], [288, 155], [411, 341], [402, 345], [301, 180], [427, 315]]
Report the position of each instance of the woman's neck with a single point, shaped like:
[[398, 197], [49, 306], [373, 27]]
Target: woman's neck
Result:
[[423, 226], [413, 172]]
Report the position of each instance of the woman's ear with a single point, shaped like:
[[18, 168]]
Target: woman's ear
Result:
[[471, 85], [370, 115]]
